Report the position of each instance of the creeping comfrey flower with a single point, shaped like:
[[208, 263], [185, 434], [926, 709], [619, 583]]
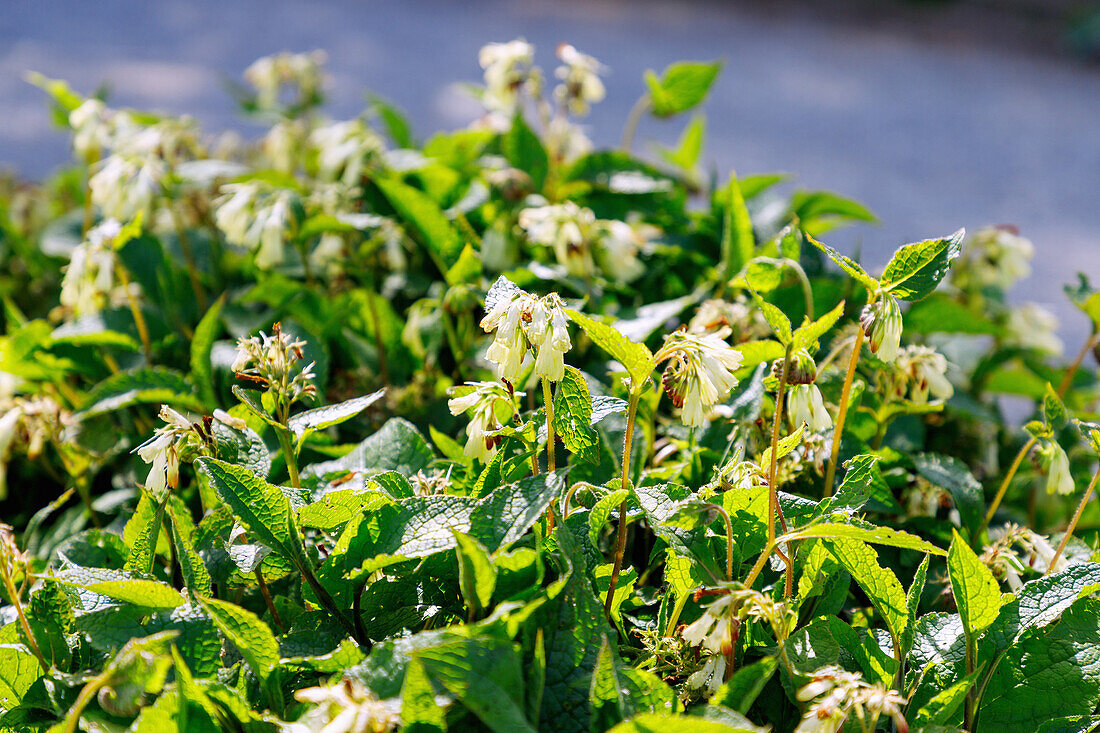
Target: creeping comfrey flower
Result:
[[89, 281], [343, 149], [1034, 327], [507, 72], [489, 405], [882, 322], [548, 331], [620, 243], [92, 126], [808, 408], [699, 373], [566, 228], [127, 184], [257, 217], [272, 361], [162, 451], [581, 85], [1056, 462], [994, 257], [298, 73], [837, 694], [345, 707], [925, 369], [506, 317], [28, 424], [1009, 547]]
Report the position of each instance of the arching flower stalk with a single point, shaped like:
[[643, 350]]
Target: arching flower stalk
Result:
[[490, 406]]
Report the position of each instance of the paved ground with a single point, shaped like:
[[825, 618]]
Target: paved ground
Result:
[[932, 130]]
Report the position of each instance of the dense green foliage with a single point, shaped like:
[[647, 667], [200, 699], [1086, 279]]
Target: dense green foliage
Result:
[[343, 431]]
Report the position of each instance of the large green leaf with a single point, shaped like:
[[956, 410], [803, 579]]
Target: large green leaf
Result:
[[397, 446], [248, 633], [201, 345], [916, 269], [261, 507], [18, 671], [847, 264], [975, 589], [476, 575], [150, 385], [879, 583], [876, 535], [320, 418], [121, 586], [1050, 672]]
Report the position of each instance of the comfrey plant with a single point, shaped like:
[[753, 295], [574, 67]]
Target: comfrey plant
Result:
[[337, 429]]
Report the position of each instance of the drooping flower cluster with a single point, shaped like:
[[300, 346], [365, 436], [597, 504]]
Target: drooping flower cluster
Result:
[[581, 85], [345, 707], [1013, 549], [89, 282], [507, 72], [162, 451], [490, 406], [1056, 462], [922, 372], [343, 149], [28, 424], [272, 361], [699, 373], [837, 694], [882, 322], [1032, 326], [258, 217], [807, 407], [995, 257], [520, 321], [581, 242], [299, 76]]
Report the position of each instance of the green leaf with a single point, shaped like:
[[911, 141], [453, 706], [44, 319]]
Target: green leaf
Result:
[[916, 269], [953, 475], [876, 535], [439, 237], [818, 212], [635, 358], [1054, 412], [1038, 603], [121, 586], [940, 313], [777, 320], [337, 508], [201, 345], [523, 149], [476, 575], [1050, 672], [420, 713], [397, 446], [665, 722], [573, 416], [251, 636], [879, 583], [943, 705], [18, 671], [320, 418], [142, 532], [863, 483], [261, 507], [738, 241], [912, 605], [600, 513], [975, 589], [741, 690], [847, 264], [195, 575], [92, 330], [624, 589], [783, 448], [807, 336], [485, 675], [682, 85], [149, 385], [685, 155]]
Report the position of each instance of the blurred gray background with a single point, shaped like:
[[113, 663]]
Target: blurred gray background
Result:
[[936, 115]]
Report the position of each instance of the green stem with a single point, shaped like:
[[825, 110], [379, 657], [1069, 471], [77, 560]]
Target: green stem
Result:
[[289, 455], [89, 690], [729, 541], [620, 539], [1004, 486], [630, 129], [773, 492], [1073, 522], [971, 704], [267, 600], [189, 261], [379, 343], [135, 311], [842, 411], [13, 596], [1067, 380], [551, 442]]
